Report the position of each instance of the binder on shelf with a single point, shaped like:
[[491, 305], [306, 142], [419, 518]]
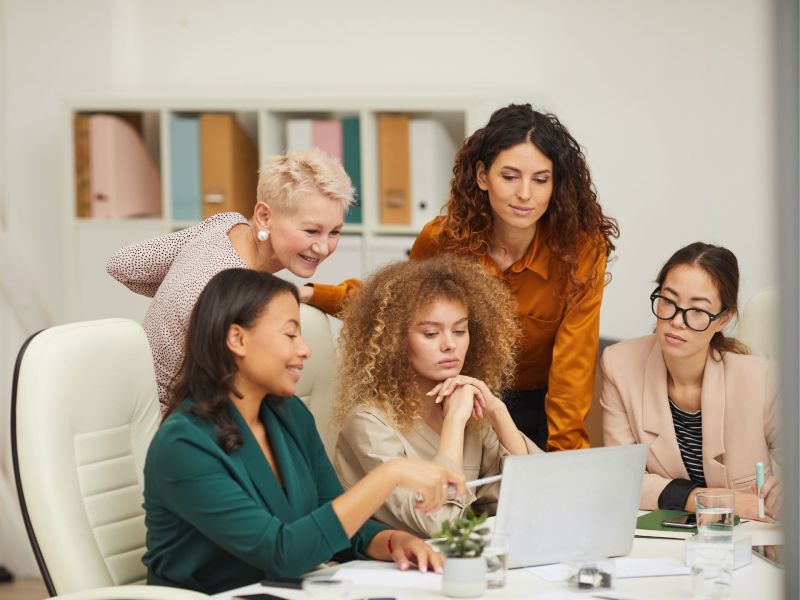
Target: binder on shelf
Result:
[[393, 168], [124, 180], [228, 165], [83, 184], [327, 136], [184, 131], [299, 135], [351, 160], [432, 151]]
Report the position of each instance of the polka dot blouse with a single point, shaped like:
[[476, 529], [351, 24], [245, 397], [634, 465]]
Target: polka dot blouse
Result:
[[173, 269]]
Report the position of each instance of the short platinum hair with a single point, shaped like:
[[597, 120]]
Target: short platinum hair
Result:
[[283, 177]]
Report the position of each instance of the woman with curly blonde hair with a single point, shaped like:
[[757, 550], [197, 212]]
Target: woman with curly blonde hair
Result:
[[522, 205], [423, 346]]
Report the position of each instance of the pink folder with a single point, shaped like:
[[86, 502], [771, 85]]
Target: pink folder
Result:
[[327, 136], [124, 180]]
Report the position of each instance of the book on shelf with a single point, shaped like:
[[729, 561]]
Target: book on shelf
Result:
[[228, 165], [299, 135], [351, 160], [83, 172], [394, 170], [327, 136], [431, 158], [123, 180], [184, 153]]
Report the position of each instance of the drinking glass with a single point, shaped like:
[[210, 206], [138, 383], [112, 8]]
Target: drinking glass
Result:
[[711, 556], [496, 554], [715, 516]]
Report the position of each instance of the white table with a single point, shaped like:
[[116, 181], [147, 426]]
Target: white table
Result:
[[759, 579]]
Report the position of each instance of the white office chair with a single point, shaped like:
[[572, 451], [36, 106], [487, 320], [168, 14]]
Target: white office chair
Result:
[[84, 409], [317, 379], [758, 324]]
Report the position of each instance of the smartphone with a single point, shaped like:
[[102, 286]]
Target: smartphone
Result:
[[771, 554], [683, 522], [295, 583]]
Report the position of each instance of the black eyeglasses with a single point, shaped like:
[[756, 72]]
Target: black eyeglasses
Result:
[[696, 319]]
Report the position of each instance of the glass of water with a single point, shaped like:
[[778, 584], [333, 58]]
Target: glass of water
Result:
[[715, 516], [496, 554], [711, 555]]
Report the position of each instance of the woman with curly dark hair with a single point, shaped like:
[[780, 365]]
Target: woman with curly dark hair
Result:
[[425, 346], [522, 204]]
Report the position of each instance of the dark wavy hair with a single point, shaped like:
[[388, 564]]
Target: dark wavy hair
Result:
[[233, 296], [721, 266], [574, 214]]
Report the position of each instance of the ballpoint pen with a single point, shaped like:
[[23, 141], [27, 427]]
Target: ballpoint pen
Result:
[[760, 485], [451, 489]]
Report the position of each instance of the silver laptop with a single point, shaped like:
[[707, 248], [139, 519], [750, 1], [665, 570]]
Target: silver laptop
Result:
[[570, 505]]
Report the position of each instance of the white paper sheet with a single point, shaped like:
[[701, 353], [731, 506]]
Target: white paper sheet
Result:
[[624, 568], [390, 576]]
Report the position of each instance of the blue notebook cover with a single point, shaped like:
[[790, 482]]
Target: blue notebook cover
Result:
[[351, 160], [185, 165]]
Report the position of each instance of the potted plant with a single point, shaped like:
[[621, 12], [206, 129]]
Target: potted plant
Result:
[[462, 541]]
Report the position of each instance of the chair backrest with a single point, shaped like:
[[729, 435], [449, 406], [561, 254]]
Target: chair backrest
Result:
[[758, 324], [318, 377], [84, 409]]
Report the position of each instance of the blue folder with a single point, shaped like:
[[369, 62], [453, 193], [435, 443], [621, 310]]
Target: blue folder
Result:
[[185, 168]]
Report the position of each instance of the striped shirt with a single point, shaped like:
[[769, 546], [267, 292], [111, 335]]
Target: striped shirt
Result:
[[689, 431]]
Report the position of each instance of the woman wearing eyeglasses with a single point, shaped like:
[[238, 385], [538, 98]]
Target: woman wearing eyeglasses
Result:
[[705, 407]]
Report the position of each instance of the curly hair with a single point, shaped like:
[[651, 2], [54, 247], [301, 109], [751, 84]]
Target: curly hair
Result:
[[574, 215], [376, 370], [207, 373], [721, 266]]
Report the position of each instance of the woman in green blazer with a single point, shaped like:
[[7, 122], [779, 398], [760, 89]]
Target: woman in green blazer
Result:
[[237, 485]]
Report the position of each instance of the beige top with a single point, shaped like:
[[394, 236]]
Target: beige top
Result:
[[367, 440]]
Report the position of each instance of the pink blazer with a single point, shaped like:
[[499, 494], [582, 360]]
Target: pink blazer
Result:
[[739, 401]]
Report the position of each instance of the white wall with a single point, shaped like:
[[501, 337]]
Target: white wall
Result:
[[673, 101]]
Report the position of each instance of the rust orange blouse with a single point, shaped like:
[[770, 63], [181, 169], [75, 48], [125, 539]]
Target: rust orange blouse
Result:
[[330, 298], [560, 342]]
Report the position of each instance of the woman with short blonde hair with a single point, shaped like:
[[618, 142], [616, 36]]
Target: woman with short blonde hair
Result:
[[297, 218]]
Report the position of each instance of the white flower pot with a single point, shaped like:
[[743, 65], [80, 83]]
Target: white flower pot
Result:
[[464, 577]]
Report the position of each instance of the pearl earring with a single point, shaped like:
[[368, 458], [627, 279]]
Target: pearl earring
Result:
[[262, 235]]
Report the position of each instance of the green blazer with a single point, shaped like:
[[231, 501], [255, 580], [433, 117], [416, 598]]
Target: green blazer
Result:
[[217, 521]]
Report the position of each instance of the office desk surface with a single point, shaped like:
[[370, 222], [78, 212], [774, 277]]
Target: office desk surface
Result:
[[759, 579]]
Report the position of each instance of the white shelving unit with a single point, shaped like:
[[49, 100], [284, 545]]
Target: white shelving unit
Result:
[[89, 242]]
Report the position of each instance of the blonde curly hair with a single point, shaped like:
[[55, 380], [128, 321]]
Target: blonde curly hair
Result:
[[375, 368]]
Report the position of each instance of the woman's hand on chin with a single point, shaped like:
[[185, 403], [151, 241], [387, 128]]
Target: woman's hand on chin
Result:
[[484, 401], [409, 550]]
